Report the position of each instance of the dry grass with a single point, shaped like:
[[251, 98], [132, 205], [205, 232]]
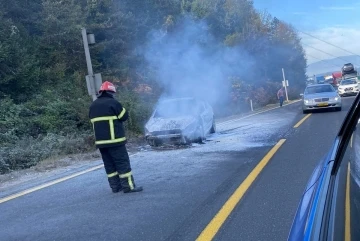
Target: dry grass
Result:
[[58, 164], [64, 161], [47, 168]]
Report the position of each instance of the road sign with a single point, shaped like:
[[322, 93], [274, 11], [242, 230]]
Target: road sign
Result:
[[93, 83]]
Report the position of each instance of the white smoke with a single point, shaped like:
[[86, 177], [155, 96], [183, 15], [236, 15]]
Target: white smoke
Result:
[[190, 62]]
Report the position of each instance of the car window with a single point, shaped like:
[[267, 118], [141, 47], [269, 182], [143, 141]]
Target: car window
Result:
[[319, 89], [177, 108], [348, 82]]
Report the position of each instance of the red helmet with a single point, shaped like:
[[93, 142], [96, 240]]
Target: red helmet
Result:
[[107, 86]]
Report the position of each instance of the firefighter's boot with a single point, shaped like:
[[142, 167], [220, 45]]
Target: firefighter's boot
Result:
[[128, 184], [115, 184]]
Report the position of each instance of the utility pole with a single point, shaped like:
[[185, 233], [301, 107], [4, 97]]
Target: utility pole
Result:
[[285, 84], [93, 81]]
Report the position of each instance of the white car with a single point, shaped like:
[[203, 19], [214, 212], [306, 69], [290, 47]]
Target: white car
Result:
[[180, 121], [321, 96], [348, 87]]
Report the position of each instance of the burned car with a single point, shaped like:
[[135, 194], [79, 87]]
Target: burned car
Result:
[[180, 121]]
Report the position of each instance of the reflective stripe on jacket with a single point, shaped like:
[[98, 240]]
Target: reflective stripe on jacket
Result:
[[107, 116]]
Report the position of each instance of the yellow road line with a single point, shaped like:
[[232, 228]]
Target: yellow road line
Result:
[[19, 194], [347, 207], [351, 140], [215, 224], [302, 120]]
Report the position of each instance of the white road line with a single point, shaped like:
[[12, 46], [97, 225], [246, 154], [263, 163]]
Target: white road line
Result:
[[257, 113]]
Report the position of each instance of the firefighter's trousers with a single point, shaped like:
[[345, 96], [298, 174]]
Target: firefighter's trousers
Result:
[[118, 169]]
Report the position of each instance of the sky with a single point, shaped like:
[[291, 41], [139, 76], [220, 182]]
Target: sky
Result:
[[337, 22]]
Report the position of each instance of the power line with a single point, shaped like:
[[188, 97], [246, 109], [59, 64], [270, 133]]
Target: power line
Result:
[[325, 52], [328, 43], [310, 35], [322, 60], [322, 50]]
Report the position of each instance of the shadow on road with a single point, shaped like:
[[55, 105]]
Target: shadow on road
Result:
[[318, 111]]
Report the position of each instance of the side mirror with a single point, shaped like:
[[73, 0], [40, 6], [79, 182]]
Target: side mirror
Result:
[[301, 95]]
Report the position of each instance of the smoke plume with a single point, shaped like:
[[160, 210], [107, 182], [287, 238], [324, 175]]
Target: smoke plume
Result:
[[190, 62]]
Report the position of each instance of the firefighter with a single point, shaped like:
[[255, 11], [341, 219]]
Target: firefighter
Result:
[[107, 116]]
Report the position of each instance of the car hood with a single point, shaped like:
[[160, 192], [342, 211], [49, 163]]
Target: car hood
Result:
[[321, 95], [165, 124]]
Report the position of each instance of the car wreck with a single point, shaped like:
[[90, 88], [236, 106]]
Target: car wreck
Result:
[[180, 121]]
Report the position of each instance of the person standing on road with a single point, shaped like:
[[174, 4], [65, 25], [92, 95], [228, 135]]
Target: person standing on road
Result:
[[107, 116], [280, 95]]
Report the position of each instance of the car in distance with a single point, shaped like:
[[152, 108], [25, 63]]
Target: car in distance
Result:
[[348, 87], [348, 69], [180, 121], [321, 96]]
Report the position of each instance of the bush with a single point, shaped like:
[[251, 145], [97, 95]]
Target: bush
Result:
[[294, 92], [58, 115], [242, 92], [139, 110], [28, 152], [12, 124], [54, 124]]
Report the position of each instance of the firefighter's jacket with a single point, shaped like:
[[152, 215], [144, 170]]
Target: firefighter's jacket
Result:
[[107, 116]]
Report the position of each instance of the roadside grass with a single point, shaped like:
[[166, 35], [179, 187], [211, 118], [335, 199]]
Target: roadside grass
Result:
[[57, 161]]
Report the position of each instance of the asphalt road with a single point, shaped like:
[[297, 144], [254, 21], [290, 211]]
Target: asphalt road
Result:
[[184, 189]]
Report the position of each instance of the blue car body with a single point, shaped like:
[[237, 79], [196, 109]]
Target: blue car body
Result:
[[304, 219]]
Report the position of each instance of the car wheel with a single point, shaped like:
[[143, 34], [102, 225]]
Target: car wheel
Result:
[[213, 127], [187, 141], [151, 143], [154, 143], [200, 134], [338, 108]]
